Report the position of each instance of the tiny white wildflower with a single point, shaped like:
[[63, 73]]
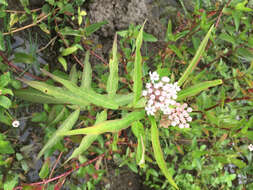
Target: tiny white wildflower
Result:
[[148, 85], [154, 76], [144, 93], [15, 123], [250, 147], [165, 79]]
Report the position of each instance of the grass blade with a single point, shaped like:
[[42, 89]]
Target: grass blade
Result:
[[112, 82], [196, 58], [158, 152], [65, 126], [112, 126], [194, 90]]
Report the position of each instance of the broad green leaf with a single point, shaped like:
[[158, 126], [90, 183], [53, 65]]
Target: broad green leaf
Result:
[[112, 126], [226, 37], [149, 37], [44, 171], [5, 146], [158, 153], [112, 82], [73, 76], [245, 53], [137, 76], [62, 95], [195, 59], [65, 126], [69, 50], [94, 27], [21, 57], [67, 31], [5, 79], [2, 45], [9, 184], [88, 139], [241, 6], [63, 62], [123, 99], [85, 94], [5, 102], [87, 73], [194, 90]]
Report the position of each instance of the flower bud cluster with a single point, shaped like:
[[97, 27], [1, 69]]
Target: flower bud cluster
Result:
[[161, 95]]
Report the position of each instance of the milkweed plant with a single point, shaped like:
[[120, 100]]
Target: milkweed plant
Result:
[[159, 97]]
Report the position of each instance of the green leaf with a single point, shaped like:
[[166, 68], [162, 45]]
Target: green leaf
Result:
[[63, 62], [138, 131], [69, 50], [137, 76], [62, 95], [112, 82], [112, 126], [5, 79], [241, 6], [65, 126], [195, 59], [85, 94], [67, 31], [44, 171], [245, 53], [36, 96], [3, 2], [94, 27], [87, 73], [5, 146], [9, 184], [149, 37], [123, 99], [239, 163], [2, 45], [194, 90], [158, 152], [26, 58], [88, 139], [5, 102], [73, 76], [176, 51], [226, 37]]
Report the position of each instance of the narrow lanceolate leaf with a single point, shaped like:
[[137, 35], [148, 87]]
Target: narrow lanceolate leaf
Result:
[[73, 77], [158, 152], [65, 126], [194, 90], [36, 96], [69, 50], [87, 73], [112, 82], [138, 131], [86, 94], [196, 58], [123, 99], [60, 94], [88, 139], [112, 126], [137, 77]]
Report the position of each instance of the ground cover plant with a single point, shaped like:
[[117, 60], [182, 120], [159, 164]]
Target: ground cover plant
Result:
[[180, 117]]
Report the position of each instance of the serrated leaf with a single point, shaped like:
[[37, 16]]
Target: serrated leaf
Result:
[[65, 126], [112, 126], [194, 90], [85, 94], [112, 82], [158, 154], [137, 76], [87, 72], [196, 58]]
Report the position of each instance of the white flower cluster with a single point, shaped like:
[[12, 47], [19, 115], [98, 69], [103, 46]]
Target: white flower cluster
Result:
[[162, 95]]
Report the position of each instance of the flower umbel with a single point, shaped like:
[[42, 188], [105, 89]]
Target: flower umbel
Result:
[[161, 95]]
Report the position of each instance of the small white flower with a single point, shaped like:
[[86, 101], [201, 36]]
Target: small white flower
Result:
[[161, 98], [15, 123], [152, 97], [148, 85], [189, 109], [154, 76], [157, 92], [250, 147], [165, 79], [144, 93]]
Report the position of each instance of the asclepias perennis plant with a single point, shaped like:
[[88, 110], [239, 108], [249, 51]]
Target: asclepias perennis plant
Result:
[[159, 97]]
